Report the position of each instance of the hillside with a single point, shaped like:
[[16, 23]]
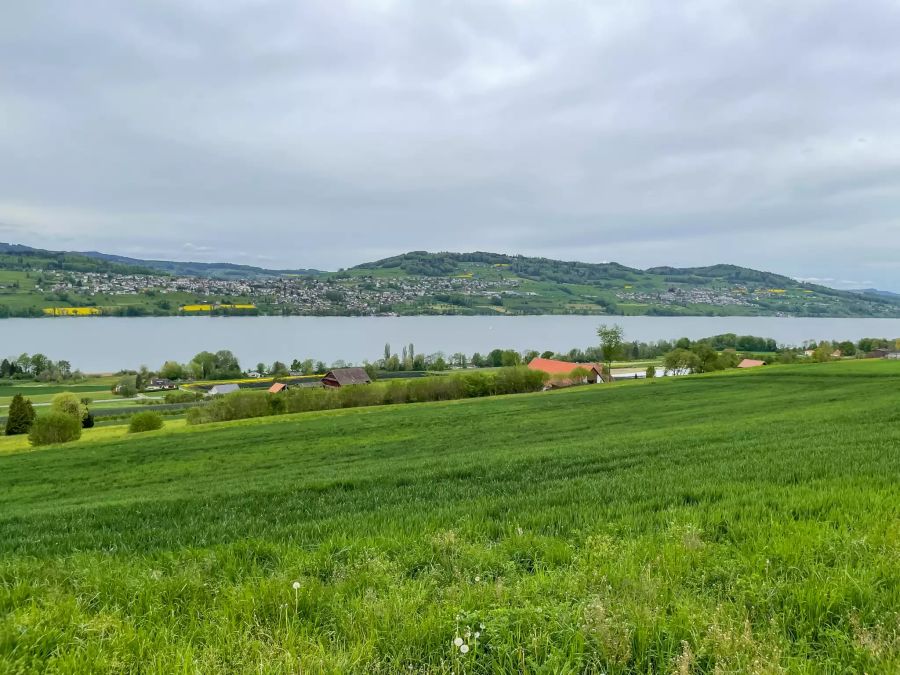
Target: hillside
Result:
[[728, 523], [33, 282]]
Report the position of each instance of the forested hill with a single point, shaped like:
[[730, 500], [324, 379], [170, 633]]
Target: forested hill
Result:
[[447, 264], [16, 257]]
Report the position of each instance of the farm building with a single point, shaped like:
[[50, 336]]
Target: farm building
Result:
[[160, 384], [223, 389], [751, 363], [343, 377], [278, 387], [562, 368]]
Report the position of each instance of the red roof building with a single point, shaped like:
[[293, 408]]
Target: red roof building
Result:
[[277, 387], [751, 363], [554, 367]]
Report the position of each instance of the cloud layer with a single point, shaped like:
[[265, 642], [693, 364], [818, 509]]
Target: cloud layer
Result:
[[325, 133]]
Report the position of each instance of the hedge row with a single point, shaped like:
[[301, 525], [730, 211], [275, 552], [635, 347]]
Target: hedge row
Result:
[[247, 404]]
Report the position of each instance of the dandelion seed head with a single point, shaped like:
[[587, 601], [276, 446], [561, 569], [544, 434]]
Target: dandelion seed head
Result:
[[477, 579], [464, 649], [296, 585], [477, 635], [481, 626], [458, 642]]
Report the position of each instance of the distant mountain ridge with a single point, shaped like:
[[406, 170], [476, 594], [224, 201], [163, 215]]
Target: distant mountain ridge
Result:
[[200, 269]]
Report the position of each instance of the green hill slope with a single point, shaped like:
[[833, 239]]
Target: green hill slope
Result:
[[416, 283], [734, 523]]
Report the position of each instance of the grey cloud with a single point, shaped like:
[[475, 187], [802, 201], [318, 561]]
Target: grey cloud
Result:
[[326, 133]]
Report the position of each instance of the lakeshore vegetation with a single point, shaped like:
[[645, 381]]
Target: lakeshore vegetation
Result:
[[728, 522]]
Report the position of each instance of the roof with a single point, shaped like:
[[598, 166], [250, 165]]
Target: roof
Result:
[[751, 363], [345, 376], [560, 367], [278, 386], [224, 388]]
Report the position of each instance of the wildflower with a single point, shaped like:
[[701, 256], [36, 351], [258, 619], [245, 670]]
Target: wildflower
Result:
[[481, 626], [477, 635], [477, 579], [458, 642], [464, 649], [296, 585]]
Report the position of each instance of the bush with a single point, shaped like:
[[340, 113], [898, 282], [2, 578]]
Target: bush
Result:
[[21, 416], [88, 421], [55, 427], [145, 421], [182, 396]]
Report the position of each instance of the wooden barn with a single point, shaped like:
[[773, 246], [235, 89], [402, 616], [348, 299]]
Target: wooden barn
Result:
[[344, 377]]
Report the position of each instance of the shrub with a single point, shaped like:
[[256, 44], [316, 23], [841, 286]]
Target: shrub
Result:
[[21, 416], [651, 372], [88, 421], [55, 427], [145, 421], [182, 396]]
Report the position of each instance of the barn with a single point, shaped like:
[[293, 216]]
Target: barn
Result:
[[344, 377]]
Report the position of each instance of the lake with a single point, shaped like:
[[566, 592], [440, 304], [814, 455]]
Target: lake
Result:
[[109, 344]]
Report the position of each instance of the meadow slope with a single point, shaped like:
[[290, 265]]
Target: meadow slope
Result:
[[730, 523]]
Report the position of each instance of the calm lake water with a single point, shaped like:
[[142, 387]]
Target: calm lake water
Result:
[[109, 344]]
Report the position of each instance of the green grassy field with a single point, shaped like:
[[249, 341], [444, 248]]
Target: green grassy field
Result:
[[740, 522]]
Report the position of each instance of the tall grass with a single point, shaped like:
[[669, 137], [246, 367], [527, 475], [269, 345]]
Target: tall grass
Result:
[[736, 523]]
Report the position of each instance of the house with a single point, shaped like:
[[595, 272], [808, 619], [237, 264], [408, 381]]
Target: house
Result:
[[893, 356], [255, 374], [278, 387], [751, 363], [160, 384], [223, 389], [557, 368], [837, 354], [343, 377]]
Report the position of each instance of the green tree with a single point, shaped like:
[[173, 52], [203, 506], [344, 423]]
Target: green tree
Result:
[[172, 370], [651, 372], [681, 361], [20, 417], [610, 343], [67, 403], [126, 387], [823, 352]]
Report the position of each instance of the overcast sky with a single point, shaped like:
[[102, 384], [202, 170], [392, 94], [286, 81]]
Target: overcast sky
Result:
[[324, 134]]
